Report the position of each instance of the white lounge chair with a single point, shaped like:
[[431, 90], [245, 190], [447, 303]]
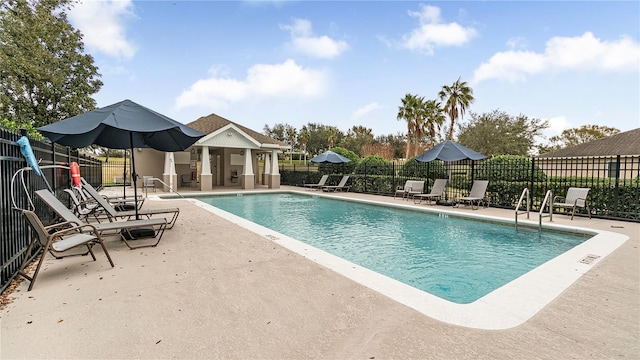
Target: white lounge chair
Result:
[[436, 192], [113, 214], [410, 189], [341, 186], [56, 239], [123, 228], [575, 198], [320, 183], [476, 195]]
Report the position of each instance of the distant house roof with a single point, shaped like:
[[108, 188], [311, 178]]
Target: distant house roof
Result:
[[211, 123], [624, 143]]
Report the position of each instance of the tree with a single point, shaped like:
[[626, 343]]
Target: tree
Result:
[[356, 138], [319, 136], [498, 133], [331, 137], [303, 139], [434, 119], [582, 134], [45, 76], [277, 132], [291, 136], [457, 99], [412, 112]]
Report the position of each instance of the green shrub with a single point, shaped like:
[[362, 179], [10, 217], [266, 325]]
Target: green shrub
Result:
[[431, 170], [374, 165], [508, 168]]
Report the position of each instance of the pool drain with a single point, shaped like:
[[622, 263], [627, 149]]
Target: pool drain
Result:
[[588, 259]]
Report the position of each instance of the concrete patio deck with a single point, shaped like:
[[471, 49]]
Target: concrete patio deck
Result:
[[214, 290]]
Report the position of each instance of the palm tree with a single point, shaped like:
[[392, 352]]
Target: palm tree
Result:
[[457, 99], [303, 138], [419, 117], [434, 118], [291, 134], [407, 112], [332, 137]]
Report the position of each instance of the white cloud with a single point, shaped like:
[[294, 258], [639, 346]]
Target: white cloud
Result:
[[557, 125], [365, 109], [303, 41], [433, 33], [279, 80], [103, 25], [580, 53]]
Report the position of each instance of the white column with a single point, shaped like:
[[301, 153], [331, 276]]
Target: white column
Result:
[[267, 164], [169, 172], [274, 163], [206, 163], [248, 163]]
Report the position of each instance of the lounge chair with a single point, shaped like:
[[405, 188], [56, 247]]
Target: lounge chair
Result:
[[83, 209], [575, 198], [341, 186], [123, 228], [476, 195], [147, 182], [436, 192], [113, 214], [410, 189], [120, 203], [56, 240], [320, 183]]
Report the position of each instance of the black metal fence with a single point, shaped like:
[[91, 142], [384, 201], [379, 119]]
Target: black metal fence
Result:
[[614, 180], [14, 233]]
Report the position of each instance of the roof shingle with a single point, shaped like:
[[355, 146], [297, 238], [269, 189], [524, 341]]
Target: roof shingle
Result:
[[210, 123], [624, 143]]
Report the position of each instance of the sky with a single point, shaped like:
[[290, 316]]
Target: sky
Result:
[[346, 63]]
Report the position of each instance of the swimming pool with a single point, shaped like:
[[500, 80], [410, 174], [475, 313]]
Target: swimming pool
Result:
[[285, 218]]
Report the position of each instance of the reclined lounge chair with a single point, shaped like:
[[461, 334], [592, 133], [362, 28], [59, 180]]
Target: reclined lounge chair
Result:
[[410, 189], [113, 215], [57, 239], [576, 198], [121, 228], [476, 195], [436, 192], [320, 183], [341, 186]]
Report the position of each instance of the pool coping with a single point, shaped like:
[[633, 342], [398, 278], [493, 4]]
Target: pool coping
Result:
[[506, 307]]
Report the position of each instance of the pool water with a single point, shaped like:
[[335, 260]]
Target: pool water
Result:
[[459, 260]]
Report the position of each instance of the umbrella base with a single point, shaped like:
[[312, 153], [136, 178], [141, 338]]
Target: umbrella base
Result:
[[125, 207], [139, 233], [446, 202]]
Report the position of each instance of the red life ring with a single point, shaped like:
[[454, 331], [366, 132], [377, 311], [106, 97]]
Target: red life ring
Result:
[[75, 174]]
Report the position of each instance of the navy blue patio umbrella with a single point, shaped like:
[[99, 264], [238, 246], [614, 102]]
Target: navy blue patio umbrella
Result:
[[449, 151], [123, 125], [330, 157]]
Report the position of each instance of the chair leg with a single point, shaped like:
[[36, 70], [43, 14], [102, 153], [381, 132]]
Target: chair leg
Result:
[[35, 274]]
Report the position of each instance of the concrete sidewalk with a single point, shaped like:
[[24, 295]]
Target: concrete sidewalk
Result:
[[211, 289]]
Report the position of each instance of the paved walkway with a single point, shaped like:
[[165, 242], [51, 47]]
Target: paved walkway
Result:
[[211, 289]]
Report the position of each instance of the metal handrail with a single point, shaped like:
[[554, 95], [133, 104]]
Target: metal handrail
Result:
[[547, 196], [165, 184], [525, 191]]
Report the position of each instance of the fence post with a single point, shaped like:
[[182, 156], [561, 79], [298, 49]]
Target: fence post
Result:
[[617, 187], [54, 181], [532, 179]]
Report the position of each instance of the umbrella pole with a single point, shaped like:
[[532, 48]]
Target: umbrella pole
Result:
[[134, 176], [124, 175]]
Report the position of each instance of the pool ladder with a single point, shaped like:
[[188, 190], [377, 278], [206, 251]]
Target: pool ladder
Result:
[[541, 214], [525, 192]]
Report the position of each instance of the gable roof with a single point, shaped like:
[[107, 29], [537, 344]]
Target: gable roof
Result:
[[624, 143], [210, 123]]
